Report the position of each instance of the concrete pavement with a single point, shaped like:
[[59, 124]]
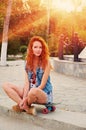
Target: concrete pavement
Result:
[[69, 92], [11, 123]]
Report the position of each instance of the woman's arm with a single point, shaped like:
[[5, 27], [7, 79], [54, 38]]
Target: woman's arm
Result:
[[45, 76]]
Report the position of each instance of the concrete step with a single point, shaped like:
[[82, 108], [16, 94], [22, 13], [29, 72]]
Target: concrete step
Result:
[[58, 120], [68, 67], [71, 58]]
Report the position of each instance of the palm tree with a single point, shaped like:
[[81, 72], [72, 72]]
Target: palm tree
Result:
[[5, 34]]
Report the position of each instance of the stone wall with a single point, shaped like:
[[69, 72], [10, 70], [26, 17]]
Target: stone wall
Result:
[[77, 69]]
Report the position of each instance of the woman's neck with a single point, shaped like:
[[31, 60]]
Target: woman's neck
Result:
[[36, 59], [35, 63]]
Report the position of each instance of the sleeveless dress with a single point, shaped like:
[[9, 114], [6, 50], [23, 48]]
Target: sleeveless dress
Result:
[[35, 81]]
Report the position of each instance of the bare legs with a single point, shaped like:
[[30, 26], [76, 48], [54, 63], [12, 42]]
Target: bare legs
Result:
[[37, 95], [16, 94]]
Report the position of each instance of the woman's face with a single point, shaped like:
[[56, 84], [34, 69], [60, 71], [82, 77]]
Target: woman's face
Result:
[[37, 48]]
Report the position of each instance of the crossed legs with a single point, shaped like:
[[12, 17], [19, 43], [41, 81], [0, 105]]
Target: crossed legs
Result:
[[16, 94]]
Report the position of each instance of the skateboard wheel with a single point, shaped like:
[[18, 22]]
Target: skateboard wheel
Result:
[[45, 111], [53, 108]]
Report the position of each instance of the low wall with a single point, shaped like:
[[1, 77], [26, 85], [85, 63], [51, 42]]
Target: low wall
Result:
[[77, 69]]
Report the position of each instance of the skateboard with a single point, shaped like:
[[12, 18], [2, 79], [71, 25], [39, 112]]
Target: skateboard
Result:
[[50, 107]]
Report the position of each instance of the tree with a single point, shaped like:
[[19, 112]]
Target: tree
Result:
[[6, 27], [5, 34]]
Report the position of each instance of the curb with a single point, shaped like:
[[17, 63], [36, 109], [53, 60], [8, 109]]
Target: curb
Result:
[[61, 120]]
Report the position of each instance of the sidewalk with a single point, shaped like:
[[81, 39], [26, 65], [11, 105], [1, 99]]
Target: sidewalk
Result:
[[69, 92]]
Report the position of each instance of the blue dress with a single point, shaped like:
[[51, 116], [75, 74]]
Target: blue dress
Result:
[[35, 81]]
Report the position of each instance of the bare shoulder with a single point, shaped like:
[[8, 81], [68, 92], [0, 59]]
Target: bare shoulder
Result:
[[48, 63]]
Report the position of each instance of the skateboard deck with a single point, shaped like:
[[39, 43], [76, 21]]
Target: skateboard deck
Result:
[[47, 104], [50, 107]]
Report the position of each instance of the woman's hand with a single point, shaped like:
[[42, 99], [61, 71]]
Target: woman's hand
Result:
[[23, 104]]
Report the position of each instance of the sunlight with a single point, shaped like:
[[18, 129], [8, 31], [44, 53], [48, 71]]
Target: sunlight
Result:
[[68, 5], [63, 5]]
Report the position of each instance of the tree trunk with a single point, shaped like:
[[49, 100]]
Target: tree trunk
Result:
[[5, 34]]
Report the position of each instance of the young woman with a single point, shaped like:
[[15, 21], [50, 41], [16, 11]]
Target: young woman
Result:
[[37, 88]]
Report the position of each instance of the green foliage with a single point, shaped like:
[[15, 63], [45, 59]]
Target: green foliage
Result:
[[53, 51], [24, 56], [53, 43], [23, 49], [13, 47]]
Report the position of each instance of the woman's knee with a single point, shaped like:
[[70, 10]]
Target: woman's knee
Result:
[[32, 95], [5, 86]]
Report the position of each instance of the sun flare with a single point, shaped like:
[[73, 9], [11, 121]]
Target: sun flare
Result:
[[69, 5], [63, 5]]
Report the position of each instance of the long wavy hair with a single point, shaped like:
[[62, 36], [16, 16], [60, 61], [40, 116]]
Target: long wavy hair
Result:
[[43, 58]]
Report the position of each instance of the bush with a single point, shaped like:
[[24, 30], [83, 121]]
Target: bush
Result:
[[23, 49], [24, 56], [13, 47]]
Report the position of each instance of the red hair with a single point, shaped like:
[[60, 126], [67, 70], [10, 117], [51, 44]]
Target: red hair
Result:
[[43, 57]]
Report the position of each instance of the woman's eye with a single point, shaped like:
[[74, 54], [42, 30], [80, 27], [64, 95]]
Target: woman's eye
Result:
[[35, 46]]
